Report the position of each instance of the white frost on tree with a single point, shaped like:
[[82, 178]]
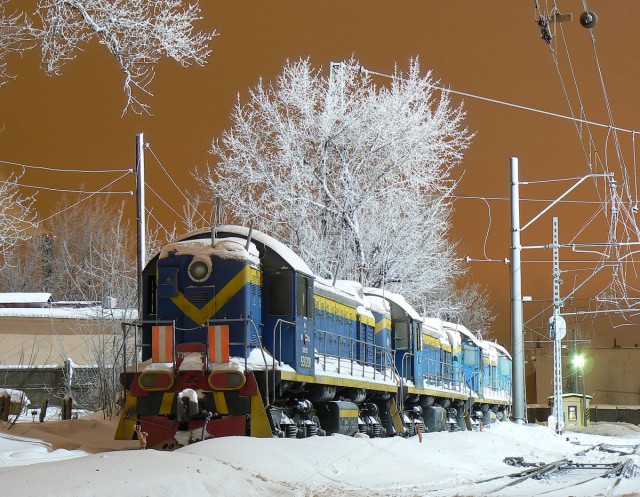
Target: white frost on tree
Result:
[[468, 305], [17, 217], [15, 37], [138, 33], [86, 254], [352, 174]]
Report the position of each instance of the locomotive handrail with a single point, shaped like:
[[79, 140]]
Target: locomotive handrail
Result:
[[246, 343], [136, 346], [378, 351], [277, 332]]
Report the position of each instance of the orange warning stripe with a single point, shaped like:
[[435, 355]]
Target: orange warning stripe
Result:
[[162, 344], [218, 343]]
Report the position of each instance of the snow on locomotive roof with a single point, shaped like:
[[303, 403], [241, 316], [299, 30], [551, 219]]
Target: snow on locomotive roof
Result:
[[447, 337], [225, 248], [345, 287], [501, 349], [288, 255], [433, 327], [397, 299], [460, 328], [346, 292], [378, 304]]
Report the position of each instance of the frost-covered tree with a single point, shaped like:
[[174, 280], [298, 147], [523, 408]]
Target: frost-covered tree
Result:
[[85, 254], [138, 33], [354, 175], [15, 37], [17, 218], [468, 305]]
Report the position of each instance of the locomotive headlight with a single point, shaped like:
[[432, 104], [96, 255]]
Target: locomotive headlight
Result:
[[199, 270]]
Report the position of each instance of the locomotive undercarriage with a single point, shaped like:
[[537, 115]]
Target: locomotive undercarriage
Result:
[[485, 414], [430, 414], [296, 409], [303, 410]]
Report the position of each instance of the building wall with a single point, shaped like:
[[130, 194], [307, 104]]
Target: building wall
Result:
[[611, 375], [51, 341]]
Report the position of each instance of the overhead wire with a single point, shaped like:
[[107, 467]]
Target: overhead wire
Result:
[[618, 215], [65, 190], [180, 190], [61, 170], [84, 199]]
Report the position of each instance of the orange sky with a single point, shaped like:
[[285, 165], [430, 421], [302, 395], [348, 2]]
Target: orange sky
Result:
[[490, 48]]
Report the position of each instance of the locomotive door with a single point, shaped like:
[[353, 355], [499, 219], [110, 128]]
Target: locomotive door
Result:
[[288, 330], [402, 341]]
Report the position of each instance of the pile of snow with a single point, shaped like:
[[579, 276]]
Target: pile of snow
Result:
[[443, 464]]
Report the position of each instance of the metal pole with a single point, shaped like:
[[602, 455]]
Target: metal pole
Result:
[[142, 231], [584, 399], [557, 334], [517, 342]]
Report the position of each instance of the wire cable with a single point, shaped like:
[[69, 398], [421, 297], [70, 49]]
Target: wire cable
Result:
[[59, 170], [174, 183], [63, 190], [82, 200]]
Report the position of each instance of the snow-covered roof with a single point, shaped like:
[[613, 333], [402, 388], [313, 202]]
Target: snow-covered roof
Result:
[[88, 313], [460, 328], [24, 298], [378, 305], [225, 248], [502, 349], [341, 292], [288, 255], [395, 298], [433, 327]]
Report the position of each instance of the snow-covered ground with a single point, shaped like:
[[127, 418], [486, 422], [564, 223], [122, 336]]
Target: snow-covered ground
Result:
[[443, 464]]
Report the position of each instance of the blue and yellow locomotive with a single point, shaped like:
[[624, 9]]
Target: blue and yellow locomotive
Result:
[[238, 337]]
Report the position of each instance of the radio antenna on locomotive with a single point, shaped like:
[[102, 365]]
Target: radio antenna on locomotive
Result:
[[216, 223], [249, 237]]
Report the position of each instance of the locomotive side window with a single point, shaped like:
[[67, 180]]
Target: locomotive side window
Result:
[[418, 334], [469, 355], [304, 296], [402, 335], [279, 294], [505, 366]]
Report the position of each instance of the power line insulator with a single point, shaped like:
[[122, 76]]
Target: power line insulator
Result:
[[588, 19]]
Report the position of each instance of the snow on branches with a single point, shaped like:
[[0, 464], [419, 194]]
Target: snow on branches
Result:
[[138, 33], [15, 36], [353, 174], [17, 218]]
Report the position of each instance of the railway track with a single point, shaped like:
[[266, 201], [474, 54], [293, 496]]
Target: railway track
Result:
[[561, 478]]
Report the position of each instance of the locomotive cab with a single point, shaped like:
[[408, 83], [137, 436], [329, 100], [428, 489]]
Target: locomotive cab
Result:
[[288, 318]]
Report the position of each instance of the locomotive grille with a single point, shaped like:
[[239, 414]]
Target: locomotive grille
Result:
[[199, 296]]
